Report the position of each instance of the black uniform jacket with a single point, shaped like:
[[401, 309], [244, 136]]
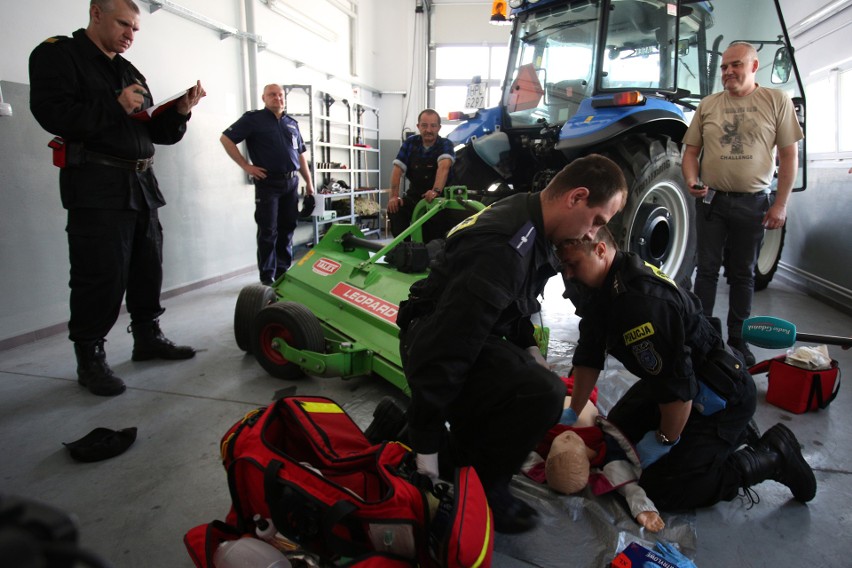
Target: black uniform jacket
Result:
[[653, 327], [74, 91], [484, 283]]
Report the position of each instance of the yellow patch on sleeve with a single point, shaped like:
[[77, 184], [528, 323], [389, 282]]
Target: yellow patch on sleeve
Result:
[[638, 333], [468, 222], [660, 274], [51, 40], [321, 407]]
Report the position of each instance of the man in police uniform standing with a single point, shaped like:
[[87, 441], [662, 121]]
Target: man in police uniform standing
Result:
[[689, 412], [277, 153], [84, 91], [466, 338], [425, 160]]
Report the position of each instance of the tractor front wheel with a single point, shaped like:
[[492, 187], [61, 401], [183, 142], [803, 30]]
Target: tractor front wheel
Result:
[[293, 323], [658, 221]]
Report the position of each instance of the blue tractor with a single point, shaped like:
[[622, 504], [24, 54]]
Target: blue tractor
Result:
[[621, 78]]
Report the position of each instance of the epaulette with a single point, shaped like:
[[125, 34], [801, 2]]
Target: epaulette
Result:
[[524, 240], [56, 39], [618, 286]]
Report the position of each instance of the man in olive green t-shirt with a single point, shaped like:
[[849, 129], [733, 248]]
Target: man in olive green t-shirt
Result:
[[736, 132]]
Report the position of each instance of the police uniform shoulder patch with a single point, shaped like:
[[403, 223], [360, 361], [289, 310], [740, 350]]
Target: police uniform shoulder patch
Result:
[[648, 358], [660, 274], [524, 239], [56, 39], [466, 223]]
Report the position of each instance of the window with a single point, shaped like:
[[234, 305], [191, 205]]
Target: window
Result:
[[829, 122], [844, 115], [456, 66]]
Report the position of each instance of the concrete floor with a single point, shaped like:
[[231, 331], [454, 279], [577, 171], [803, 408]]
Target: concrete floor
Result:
[[133, 510]]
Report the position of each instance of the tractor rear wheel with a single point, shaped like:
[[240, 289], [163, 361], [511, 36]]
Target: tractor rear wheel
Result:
[[658, 221], [296, 325], [768, 257], [251, 300]]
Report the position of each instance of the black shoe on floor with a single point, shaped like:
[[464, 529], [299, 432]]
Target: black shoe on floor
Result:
[[742, 347], [792, 469], [150, 343], [93, 371], [777, 456]]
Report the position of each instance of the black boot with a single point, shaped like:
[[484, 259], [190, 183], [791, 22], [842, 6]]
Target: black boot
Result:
[[150, 343], [389, 423], [778, 456], [93, 371]]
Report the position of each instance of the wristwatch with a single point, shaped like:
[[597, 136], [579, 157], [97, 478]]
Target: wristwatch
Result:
[[661, 439]]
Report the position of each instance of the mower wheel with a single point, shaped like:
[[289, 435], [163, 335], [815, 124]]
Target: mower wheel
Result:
[[251, 300], [295, 324]]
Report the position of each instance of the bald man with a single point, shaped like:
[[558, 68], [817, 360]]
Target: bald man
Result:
[[735, 133]]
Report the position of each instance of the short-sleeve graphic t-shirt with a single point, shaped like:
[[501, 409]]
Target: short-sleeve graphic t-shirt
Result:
[[739, 136]]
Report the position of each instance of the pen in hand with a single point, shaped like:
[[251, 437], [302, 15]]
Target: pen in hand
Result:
[[141, 90], [132, 97]]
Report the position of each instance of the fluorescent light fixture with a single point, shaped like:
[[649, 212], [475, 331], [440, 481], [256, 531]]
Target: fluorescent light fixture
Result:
[[818, 17], [224, 29], [348, 7], [292, 13]]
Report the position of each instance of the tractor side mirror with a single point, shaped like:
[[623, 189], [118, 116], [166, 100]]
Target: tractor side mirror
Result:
[[781, 66]]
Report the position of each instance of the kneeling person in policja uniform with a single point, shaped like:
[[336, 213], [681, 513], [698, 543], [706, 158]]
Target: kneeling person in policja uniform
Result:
[[688, 414]]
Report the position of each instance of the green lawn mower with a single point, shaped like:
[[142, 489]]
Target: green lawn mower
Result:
[[333, 313]]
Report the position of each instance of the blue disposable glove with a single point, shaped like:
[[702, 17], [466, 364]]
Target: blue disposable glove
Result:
[[650, 450], [569, 417], [671, 554]]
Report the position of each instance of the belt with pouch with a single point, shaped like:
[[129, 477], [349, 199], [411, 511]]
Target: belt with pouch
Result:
[[107, 160]]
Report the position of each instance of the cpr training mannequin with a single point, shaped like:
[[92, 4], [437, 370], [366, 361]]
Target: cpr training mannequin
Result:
[[594, 440]]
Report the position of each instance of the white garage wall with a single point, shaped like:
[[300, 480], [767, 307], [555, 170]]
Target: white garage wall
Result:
[[208, 222]]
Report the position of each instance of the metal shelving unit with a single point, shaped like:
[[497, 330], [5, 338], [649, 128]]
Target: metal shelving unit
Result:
[[344, 156]]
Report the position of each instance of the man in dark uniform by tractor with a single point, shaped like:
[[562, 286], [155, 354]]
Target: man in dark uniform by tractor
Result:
[[688, 414], [277, 153], [466, 338], [425, 160], [84, 91]]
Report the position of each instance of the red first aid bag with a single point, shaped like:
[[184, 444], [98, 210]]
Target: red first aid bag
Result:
[[306, 468], [796, 389]]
